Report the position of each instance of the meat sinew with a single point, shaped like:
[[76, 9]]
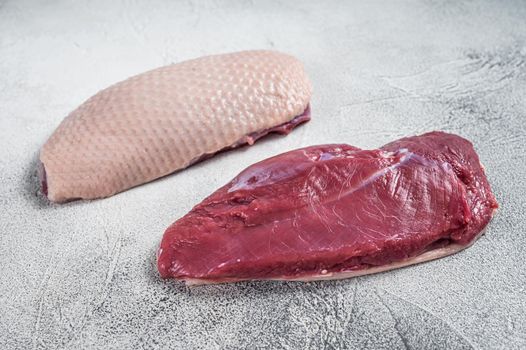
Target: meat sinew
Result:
[[166, 119], [334, 211]]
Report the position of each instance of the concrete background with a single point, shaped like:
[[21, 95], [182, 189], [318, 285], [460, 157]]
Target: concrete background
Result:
[[82, 275]]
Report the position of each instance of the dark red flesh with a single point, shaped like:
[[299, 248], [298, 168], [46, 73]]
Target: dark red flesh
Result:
[[41, 172], [333, 208], [283, 129]]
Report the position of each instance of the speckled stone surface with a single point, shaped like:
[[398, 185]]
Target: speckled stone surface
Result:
[[82, 275]]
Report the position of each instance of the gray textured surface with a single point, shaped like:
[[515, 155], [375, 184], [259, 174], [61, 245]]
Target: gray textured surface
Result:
[[82, 275]]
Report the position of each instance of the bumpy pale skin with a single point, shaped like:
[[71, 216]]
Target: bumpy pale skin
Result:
[[164, 120]]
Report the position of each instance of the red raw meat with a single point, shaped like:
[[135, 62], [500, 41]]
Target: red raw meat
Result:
[[334, 211]]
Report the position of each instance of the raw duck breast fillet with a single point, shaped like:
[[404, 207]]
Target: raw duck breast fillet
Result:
[[164, 120], [334, 211]]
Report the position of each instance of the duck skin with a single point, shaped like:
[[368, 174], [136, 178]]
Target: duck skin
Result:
[[166, 119]]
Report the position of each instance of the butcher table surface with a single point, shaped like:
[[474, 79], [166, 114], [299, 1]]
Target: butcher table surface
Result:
[[82, 275]]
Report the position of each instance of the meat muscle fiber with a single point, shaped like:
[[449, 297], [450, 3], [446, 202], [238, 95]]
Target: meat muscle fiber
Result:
[[166, 119], [334, 211]]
